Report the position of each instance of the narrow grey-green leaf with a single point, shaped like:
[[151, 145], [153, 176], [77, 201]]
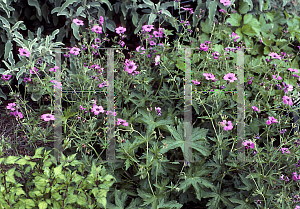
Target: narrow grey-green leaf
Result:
[[45, 12], [75, 30], [2, 94], [151, 4], [111, 25], [134, 18], [123, 8], [16, 25], [35, 3], [8, 48], [152, 17], [107, 3], [4, 21], [80, 9], [23, 70], [65, 5], [141, 22], [17, 34]]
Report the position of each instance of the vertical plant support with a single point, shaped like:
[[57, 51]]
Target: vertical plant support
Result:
[[110, 153], [240, 105], [58, 108], [188, 108]]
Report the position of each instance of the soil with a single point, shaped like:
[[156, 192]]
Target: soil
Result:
[[12, 134]]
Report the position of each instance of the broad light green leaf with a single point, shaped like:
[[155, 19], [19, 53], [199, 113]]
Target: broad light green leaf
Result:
[[249, 2], [35, 3], [234, 19], [247, 18], [10, 175], [57, 170], [266, 5], [43, 205], [81, 199], [205, 26], [11, 160], [244, 7], [212, 10], [248, 30], [219, 48]]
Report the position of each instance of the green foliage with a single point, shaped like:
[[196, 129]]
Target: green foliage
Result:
[[52, 184], [150, 176]]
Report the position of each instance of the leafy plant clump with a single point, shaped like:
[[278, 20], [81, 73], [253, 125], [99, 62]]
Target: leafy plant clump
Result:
[[153, 138], [46, 183]]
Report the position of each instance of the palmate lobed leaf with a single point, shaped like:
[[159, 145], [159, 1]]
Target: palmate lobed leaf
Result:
[[195, 143]]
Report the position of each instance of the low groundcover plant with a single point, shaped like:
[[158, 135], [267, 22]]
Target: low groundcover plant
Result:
[[149, 128]]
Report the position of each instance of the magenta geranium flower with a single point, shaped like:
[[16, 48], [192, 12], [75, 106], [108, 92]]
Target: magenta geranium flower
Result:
[[203, 47], [6, 77], [97, 29], [271, 120], [101, 20], [75, 51], [225, 2], [140, 48], [227, 125], [122, 122], [120, 29], [196, 82], [293, 70], [288, 100], [54, 68], [47, 117], [148, 28], [275, 55], [248, 144], [24, 52], [78, 22], [255, 108], [17, 114], [130, 67], [230, 77], [97, 109]]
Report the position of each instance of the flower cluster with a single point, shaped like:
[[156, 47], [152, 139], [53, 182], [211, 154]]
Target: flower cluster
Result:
[[225, 2], [227, 125], [271, 120], [158, 110], [16, 113]]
